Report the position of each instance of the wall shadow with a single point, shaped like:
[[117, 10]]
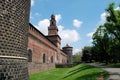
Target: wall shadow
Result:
[[75, 71], [88, 77]]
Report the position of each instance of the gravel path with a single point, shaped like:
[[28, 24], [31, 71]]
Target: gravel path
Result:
[[114, 72]]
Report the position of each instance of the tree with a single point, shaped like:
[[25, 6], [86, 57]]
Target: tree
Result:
[[106, 39], [101, 44], [77, 57], [113, 27], [86, 51], [113, 21]]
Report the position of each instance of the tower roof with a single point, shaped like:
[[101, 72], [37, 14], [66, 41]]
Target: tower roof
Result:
[[52, 16], [67, 46], [53, 21]]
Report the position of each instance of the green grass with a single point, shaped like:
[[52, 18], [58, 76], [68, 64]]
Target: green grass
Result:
[[79, 72]]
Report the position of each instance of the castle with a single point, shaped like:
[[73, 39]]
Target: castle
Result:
[[25, 49], [44, 51]]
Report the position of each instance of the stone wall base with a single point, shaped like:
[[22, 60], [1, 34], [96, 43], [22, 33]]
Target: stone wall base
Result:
[[13, 69], [38, 67]]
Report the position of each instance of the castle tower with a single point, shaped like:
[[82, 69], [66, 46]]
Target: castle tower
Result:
[[14, 19], [53, 32], [68, 50], [52, 29]]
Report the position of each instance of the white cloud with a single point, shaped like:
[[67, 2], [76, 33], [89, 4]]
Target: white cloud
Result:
[[91, 40], [76, 50], [104, 15], [58, 17], [69, 36], [60, 28], [77, 23], [90, 34], [32, 2], [118, 8], [43, 26], [102, 18]]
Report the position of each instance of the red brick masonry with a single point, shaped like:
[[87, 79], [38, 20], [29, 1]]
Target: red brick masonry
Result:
[[45, 54]]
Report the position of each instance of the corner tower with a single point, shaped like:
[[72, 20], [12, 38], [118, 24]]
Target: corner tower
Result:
[[68, 50], [53, 32], [14, 22]]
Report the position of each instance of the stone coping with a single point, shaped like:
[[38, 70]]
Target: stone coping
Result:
[[13, 57]]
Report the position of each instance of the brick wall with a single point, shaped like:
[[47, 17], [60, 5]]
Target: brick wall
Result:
[[40, 45], [14, 18], [38, 67]]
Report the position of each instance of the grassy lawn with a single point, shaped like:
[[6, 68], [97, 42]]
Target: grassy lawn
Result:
[[79, 72]]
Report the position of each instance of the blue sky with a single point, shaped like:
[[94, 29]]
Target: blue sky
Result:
[[76, 19]]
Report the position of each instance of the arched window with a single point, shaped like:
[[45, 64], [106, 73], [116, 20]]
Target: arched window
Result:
[[44, 60], [58, 58], [51, 59], [29, 55]]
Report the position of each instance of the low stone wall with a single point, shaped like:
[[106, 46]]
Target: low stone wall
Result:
[[38, 67], [64, 65]]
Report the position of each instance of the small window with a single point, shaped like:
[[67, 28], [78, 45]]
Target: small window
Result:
[[29, 55], [44, 60], [51, 59], [57, 57]]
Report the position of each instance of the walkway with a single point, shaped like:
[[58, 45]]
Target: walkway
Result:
[[114, 73]]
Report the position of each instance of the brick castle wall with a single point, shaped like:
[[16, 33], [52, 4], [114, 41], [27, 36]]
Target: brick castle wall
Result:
[[40, 45], [38, 67], [14, 18]]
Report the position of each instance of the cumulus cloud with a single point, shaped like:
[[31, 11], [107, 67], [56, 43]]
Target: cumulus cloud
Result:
[[90, 34], [68, 36], [102, 18], [104, 15], [76, 50], [43, 26], [60, 28], [58, 17], [32, 2], [118, 8], [77, 23]]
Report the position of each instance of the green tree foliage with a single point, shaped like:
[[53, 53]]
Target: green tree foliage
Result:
[[106, 39], [77, 57], [113, 21], [101, 43], [86, 51]]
